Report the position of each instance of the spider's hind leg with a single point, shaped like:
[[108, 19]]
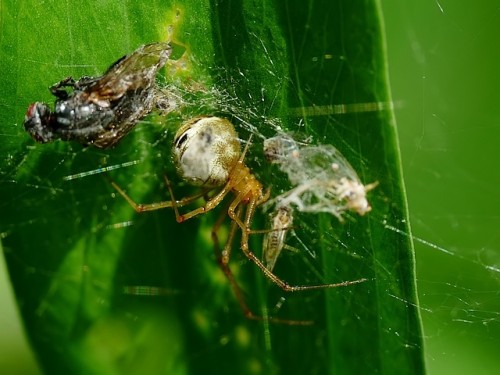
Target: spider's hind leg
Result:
[[246, 231], [223, 258]]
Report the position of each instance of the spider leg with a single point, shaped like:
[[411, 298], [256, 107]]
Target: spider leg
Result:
[[225, 255], [234, 211], [223, 261], [265, 197], [245, 231], [209, 205], [140, 207], [270, 230]]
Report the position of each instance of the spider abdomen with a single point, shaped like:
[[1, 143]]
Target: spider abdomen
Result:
[[206, 149]]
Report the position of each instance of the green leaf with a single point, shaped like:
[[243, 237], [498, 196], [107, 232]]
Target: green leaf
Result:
[[76, 251]]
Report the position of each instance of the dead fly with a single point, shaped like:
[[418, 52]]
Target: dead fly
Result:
[[100, 111]]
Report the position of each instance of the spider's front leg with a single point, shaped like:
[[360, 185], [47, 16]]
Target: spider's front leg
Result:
[[209, 205], [141, 207]]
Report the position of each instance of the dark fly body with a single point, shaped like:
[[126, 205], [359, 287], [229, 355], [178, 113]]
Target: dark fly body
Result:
[[101, 111]]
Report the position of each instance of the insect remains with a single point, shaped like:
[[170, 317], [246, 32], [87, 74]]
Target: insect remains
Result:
[[207, 154], [322, 179], [100, 111], [274, 239], [281, 223]]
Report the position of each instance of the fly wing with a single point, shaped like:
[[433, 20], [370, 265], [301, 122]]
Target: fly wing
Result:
[[136, 71]]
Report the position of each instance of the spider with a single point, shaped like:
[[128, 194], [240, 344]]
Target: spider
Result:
[[207, 154]]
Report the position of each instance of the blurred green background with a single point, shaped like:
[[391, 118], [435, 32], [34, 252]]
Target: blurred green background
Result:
[[443, 62], [444, 58]]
